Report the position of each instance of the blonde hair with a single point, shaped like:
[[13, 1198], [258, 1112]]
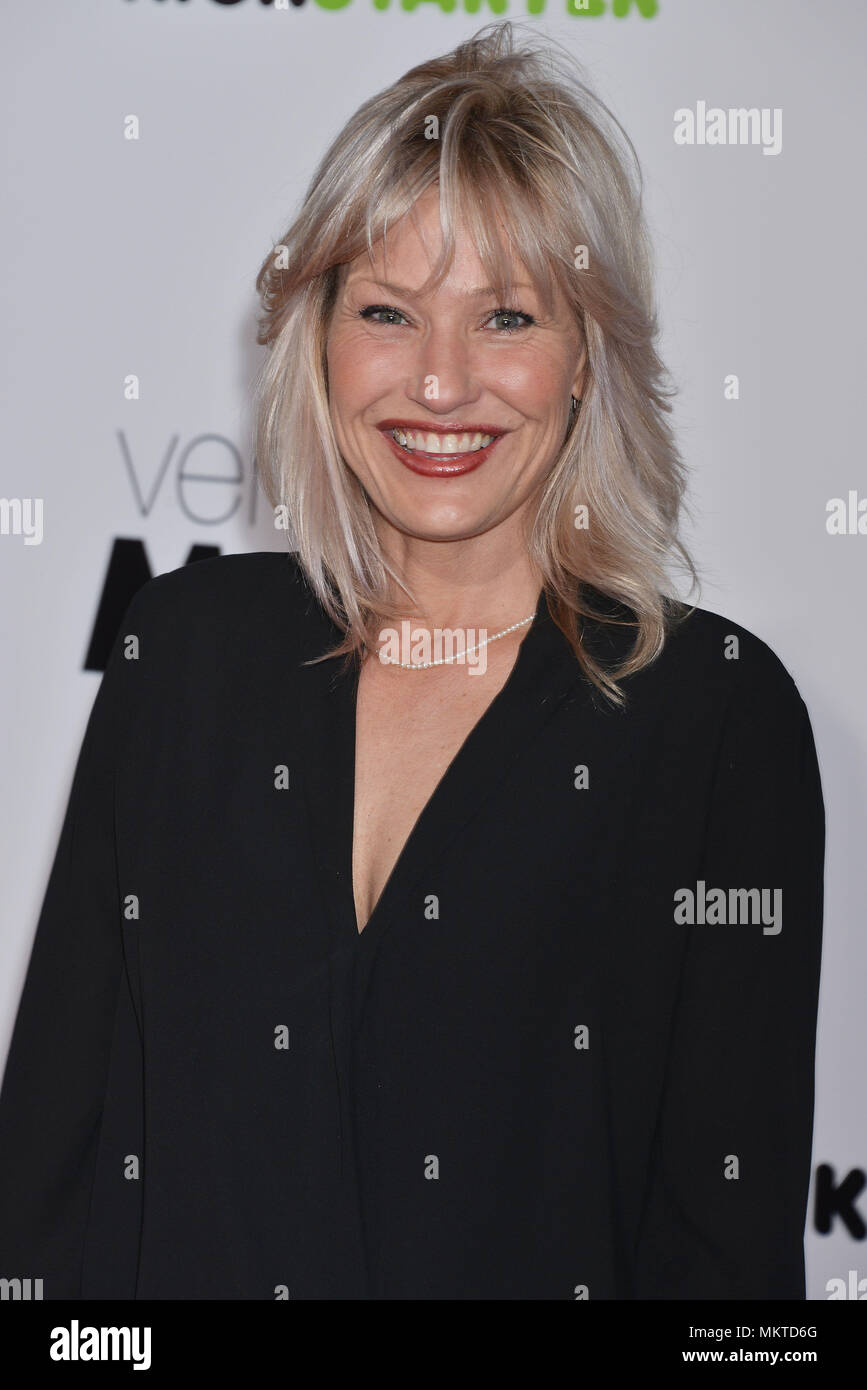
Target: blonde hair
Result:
[[519, 133]]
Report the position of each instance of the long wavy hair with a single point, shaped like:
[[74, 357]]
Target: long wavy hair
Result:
[[523, 137]]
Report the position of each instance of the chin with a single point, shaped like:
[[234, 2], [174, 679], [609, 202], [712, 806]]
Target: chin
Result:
[[439, 523]]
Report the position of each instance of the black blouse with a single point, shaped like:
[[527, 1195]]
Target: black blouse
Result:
[[567, 1057]]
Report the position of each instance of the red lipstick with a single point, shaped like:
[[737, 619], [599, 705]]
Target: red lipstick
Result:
[[440, 426], [439, 465]]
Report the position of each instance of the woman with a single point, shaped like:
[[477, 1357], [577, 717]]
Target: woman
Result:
[[369, 973]]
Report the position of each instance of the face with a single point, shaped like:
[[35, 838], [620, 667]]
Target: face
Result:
[[450, 409]]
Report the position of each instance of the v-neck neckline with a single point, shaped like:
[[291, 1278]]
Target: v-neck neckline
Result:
[[545, 671], [355, 680]]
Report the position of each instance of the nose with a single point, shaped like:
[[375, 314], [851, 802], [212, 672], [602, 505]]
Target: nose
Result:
[[443, 376]]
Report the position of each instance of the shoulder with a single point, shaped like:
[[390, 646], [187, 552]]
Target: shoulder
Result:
[[221, 583], [713, 673], [719, 702], [710, 648], [229, 609], [766, 766], [735, 687], [227, 589]]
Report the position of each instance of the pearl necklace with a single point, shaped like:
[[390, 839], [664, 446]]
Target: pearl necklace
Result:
[[449, 660]]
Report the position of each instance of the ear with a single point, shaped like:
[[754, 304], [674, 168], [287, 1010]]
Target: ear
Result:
[[580, 374]]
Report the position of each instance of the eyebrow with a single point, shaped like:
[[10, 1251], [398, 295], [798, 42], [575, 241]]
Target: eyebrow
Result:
[[403, 291]]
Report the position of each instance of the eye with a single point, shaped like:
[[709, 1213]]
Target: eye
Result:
[[512, 314], [388, 316], [371, 310]]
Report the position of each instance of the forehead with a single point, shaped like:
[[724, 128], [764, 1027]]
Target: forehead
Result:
[[408, 253]]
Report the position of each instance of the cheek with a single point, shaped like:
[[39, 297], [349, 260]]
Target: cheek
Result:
[[537, 384], [360, 372]]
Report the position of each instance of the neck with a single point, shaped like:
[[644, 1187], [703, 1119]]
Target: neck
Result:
[[473, 583]]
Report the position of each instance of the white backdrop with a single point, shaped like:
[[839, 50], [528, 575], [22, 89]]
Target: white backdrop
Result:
[[139, 257]]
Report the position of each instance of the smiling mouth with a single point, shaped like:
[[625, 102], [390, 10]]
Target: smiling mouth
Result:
[[433, 445]]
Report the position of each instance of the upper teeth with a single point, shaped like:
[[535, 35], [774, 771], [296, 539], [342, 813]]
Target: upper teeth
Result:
[[429, 443]]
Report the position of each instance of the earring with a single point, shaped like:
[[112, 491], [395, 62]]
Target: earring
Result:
[[574, 407]]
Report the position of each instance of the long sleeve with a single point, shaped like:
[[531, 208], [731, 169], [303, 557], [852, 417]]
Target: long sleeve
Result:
[[727, 1192], [56, 1072]]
